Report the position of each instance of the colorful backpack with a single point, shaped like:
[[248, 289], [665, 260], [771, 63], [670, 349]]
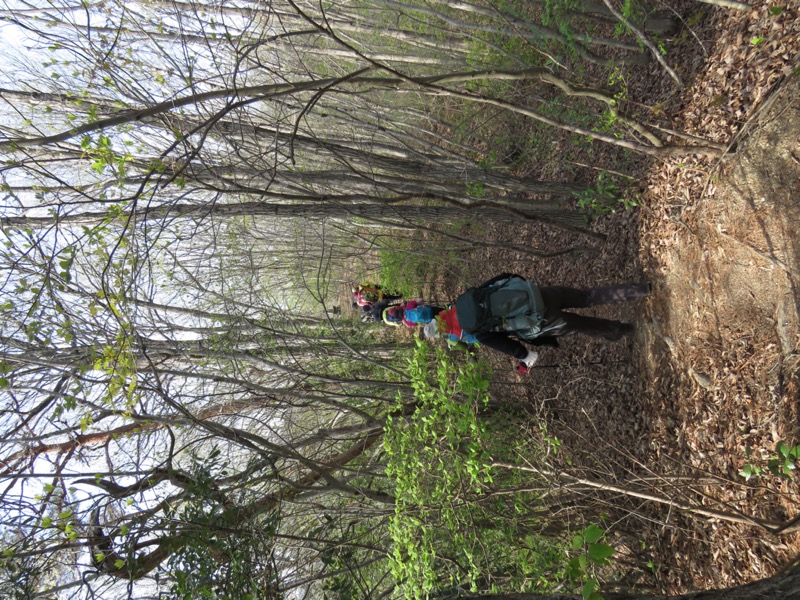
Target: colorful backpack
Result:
[[419, 314]]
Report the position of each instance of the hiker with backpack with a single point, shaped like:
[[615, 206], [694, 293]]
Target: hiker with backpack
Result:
[[411, 314], [508, 310], [368, 294], [446, 325]]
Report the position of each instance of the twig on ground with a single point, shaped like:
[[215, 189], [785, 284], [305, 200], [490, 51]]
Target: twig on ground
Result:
[[728, 4]]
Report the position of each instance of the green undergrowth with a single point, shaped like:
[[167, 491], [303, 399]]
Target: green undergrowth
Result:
[[453, 527], [413, 262], [405, 270]]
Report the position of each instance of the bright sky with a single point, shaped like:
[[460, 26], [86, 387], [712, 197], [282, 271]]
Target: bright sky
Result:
[[11, 42]]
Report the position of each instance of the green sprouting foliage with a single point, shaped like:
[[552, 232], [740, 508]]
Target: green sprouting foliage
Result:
[[604, 198], [413, 262], [405, 270], [588, 553], [557, 14], [781, 463], [448, 530], [633, 13], [475, 190], [438, 463], [20, 577]]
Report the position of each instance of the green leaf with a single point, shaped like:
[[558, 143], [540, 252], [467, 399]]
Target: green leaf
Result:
[[574, 570], [592, 533], [577, 542], [119, 563], [589, 588], [600, 552], [782, 449], [46, 521]]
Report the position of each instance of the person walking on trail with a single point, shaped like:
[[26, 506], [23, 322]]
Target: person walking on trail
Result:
[[411, 314], [446, 325], [375, 311], [508, 310], [368, 294]]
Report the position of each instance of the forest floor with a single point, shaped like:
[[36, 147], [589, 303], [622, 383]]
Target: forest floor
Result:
[[709, 382]]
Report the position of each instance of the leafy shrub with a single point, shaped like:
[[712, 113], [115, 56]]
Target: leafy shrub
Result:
[[404, 270], [448, 529], [604, 198]]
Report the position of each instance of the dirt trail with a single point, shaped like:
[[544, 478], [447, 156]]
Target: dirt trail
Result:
[[720, 338], [709, 384], [729, 274]]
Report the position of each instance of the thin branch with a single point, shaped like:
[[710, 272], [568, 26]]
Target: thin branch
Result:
[[643, 38], [774, 527], [728, 4]]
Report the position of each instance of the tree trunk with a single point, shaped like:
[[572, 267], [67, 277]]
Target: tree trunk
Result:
[[657, 23], [387, 212], [784, 586]]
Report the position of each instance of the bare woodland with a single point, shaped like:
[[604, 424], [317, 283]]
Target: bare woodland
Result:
[[187, 189]]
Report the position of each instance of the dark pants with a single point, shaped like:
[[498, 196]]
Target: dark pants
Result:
[[436, 309], [557, 298]]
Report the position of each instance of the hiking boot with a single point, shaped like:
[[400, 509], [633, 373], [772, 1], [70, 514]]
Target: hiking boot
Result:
[[530, 359], [525, 364], [619, 332], [612, 294]]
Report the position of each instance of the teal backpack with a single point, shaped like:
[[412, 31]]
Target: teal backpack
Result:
[[512, 304], [419, 314]]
